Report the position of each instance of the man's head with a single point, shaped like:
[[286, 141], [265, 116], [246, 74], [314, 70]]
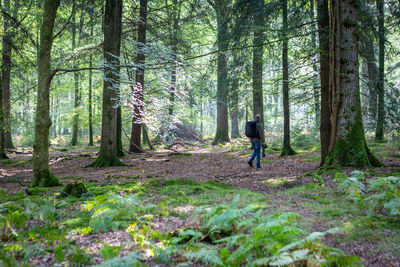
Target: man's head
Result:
[[257, 117]]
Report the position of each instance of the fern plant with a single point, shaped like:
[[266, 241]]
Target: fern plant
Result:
[[352, 186], [244, 236], [386, 195], [109, 210], [132, 260]]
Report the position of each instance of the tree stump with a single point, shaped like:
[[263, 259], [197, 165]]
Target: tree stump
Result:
[[76, 189]]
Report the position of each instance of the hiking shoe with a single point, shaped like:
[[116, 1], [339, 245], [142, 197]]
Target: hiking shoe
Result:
[[259, 167], [250, 163]]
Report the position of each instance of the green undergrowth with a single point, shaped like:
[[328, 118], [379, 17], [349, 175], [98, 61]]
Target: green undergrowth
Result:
[[15, 163], [224, 226], [369, 207]]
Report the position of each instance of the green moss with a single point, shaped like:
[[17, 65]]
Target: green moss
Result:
[[181, 155], [45, 179], [287, 150], [13, 162], [74, 189], [221, 137], [71, 178], [106, 161], [352, 150]]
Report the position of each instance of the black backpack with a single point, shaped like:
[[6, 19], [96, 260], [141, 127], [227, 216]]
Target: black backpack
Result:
[[251, 129]]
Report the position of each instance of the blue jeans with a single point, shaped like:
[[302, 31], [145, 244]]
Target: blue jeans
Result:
[[256, 153]]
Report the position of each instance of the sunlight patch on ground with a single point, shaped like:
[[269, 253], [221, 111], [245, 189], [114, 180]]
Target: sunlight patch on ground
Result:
[[279, 181], [187, 208]]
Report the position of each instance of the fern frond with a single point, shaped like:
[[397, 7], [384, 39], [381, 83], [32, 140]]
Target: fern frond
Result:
[[207, 256], [133, 259], [310, 238]]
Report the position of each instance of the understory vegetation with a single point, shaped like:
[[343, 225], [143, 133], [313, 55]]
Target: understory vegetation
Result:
[[145, 220]]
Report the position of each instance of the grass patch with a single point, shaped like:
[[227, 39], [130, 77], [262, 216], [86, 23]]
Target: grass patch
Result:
[[71, 178], [181, 155], [203, 157], [313, 158], [311, 191], [276, 182], [15, 163]]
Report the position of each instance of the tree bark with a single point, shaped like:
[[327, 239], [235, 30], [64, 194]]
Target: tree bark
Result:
[[323, 33], [75, 126], [112, 44], [347, 144], [136, 144], [372, 81], [41, 170], [258, 51], [7, 44], [174, 44], [379, 133], [90, 96], [2, 148], [234, 107], [315, 69], [222, 8], [287, 148]]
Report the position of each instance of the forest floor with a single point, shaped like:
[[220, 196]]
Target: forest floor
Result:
[[178, 184]]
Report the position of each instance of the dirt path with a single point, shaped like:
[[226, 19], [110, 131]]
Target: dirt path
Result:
[[200, 165]]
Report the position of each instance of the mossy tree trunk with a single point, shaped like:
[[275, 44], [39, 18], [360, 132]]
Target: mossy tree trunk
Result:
[[379, 133], [136, 135], [323, 34], [287, 148], [41, 170], [348, 146], [112, 42], [222, 9], [258, 49], [7, 44]]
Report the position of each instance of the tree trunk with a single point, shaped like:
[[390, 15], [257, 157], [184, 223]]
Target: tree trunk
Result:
[[379, 133], [120, 148], [2, 149], [174, 43], [136, 144], [41, 170], [287, 148], [372, 81], [315, 69], [5, 79], [90, 78], [348, 146], [323, 33], [112, 43], [75, 126], [234, 107], [222, 8], [364, 88], [258, 49], [201, 115]]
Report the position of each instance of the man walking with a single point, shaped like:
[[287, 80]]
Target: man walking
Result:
[[257, 140]]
